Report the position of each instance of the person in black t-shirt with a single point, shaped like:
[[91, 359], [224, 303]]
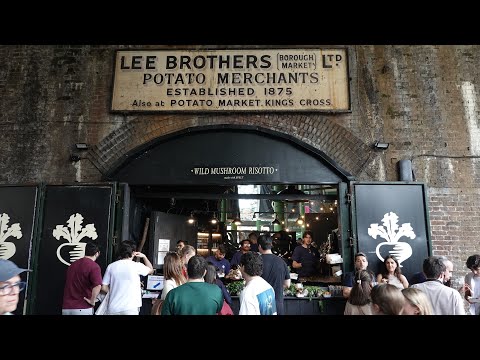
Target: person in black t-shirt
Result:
[[275, 270], [306, 257]]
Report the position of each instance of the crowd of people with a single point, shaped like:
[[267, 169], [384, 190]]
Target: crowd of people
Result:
[[193, 284], [389, 293], [265, 276]]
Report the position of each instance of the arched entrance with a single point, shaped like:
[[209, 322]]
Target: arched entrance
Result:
[[209, 172], [232, 173]]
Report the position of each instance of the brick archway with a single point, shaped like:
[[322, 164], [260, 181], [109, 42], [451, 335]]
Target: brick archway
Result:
[[319, 132]]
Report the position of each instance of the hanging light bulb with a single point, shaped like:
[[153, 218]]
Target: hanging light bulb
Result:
[[214, 220], [300, 220], [236, 220], [191, 219]]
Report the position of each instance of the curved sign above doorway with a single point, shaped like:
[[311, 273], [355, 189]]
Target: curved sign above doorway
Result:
[[226, 157]]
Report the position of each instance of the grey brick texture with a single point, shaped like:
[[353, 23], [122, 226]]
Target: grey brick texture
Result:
[[420, 99]]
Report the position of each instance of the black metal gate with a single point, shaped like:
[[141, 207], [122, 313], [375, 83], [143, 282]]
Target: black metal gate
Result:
[[45, 228], [391, 218], [18, 213]]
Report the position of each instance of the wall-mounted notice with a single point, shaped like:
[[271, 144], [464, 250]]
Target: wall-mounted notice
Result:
[[231, 80], [163, 247]]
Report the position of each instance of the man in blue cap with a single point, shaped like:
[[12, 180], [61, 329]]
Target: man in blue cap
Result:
[[10, 286]]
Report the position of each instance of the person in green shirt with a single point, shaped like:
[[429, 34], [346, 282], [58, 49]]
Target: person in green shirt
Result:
[[195, 297]]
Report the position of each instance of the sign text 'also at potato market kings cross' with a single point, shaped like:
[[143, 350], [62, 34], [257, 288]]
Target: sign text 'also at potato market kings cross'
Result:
[[231, 80]]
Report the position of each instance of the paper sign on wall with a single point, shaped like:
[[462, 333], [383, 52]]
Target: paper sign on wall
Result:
[[163, 247]]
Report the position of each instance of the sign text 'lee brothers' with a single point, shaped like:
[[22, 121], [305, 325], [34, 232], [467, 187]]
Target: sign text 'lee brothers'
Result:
[[231, 80]]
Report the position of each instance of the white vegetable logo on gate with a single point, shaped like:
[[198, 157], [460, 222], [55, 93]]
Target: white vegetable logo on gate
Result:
[[392, 233], [76, 233], [7, 249]]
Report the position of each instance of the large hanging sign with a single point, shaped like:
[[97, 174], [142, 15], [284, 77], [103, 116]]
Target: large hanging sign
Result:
[[231, 80]]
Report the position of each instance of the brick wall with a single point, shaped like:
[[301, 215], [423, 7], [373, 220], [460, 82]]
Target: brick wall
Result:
[[455, 224], [420, 99]]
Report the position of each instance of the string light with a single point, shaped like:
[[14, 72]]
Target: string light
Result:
[[214, 220]]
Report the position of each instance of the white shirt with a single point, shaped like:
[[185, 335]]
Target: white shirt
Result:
[[445, 300], [167, 286], [474, 283], [123, 279], [257, 298]]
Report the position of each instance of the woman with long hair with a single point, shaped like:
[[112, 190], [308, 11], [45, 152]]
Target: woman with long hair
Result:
[[172, 273], [359, 302], [211, 278], [391, 273], [417, 302]]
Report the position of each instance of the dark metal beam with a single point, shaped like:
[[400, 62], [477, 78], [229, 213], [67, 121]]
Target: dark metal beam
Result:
[[272, 197]]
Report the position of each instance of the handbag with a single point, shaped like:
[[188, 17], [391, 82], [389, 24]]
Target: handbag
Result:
[[157, 307], [103, 308], [226, 309]]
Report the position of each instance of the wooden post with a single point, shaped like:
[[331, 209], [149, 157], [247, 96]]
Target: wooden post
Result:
[[144, 237]]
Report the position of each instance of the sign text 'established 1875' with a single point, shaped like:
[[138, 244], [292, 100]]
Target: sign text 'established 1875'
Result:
[[231, 80]]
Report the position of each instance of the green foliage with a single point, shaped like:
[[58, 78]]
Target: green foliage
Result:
[[290, 291], [235, 287], [313, 291]]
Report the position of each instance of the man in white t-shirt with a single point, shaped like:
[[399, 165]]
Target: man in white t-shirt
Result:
[[258, 296], [122, 280]]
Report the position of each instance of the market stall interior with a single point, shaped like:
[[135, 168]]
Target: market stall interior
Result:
[[205, 216]]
